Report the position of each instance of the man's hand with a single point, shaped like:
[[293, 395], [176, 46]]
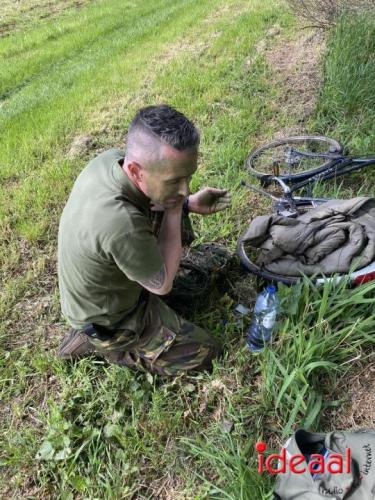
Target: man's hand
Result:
[[209, 200]]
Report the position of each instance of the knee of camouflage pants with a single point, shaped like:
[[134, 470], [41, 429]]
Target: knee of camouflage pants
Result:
[[189, 349], [166, 345]]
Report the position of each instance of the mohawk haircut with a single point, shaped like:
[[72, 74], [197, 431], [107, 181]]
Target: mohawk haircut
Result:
[[167, 125]]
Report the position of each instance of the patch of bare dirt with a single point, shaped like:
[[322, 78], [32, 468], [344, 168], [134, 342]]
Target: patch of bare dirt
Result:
[[15, 16], [296, 66], [166, 488], [80, 145], [358, 411], [6, 28]]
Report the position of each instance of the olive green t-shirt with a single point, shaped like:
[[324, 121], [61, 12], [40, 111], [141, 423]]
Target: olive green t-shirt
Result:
[[105, 244]]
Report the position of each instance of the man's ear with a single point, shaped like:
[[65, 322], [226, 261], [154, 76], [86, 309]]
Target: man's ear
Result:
[[135, 170]]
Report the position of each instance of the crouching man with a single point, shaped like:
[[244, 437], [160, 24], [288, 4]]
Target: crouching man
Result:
[[112, 268]]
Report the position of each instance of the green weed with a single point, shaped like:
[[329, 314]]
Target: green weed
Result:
[[346, 105]]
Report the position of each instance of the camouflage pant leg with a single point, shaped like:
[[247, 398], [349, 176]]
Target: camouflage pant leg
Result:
[[171, 344], [167, 344]]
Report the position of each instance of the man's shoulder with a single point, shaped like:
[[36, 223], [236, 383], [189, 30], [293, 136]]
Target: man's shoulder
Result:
[[109, 156], [98, 204], [98, 170], [103, 161]]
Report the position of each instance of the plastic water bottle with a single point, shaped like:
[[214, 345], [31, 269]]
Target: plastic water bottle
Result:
[[264, 319]]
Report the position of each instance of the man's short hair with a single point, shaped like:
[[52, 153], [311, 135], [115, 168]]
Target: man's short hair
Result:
[[166, 124]]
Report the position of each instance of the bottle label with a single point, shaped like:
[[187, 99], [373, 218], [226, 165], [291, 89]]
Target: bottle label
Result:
[[269, 320]]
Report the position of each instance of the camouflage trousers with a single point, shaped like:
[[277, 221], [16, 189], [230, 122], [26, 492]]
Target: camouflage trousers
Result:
[[154, 338]]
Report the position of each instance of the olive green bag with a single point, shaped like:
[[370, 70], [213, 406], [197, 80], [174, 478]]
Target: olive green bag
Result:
[[354, 480]]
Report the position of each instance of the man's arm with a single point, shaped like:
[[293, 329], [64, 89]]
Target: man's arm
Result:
[[169, 242]]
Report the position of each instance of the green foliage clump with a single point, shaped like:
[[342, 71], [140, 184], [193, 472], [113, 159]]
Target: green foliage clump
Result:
[[346, 107]]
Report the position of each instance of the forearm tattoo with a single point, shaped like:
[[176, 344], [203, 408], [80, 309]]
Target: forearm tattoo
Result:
[[156, 281]]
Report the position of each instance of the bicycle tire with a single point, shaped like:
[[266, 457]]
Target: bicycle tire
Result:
[[252, 267], [356, 277], [330, 146]]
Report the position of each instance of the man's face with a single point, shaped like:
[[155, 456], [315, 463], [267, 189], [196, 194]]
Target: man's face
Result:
[[167, 181]]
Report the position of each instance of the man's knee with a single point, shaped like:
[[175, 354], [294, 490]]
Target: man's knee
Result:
[[190, 353]]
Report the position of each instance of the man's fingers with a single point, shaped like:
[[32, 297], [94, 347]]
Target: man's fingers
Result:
[[217, 190], [220, 206], [222, 191], [223, 202], [224, 199]]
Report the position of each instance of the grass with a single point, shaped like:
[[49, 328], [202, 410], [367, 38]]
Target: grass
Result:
[[18, 15], [345, 109], [347, 102], [88, 430]]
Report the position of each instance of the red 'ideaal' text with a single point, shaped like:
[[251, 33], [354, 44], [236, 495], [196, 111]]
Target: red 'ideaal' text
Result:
[[296, 463]]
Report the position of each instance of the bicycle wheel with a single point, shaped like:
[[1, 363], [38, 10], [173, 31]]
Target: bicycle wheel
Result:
[[358, 277], [249, 263], [293, 158], [248, 254]]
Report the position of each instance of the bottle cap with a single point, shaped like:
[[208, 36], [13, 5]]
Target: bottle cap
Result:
[[271, 289]]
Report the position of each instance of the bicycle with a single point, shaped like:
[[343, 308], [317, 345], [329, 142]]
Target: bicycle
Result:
[[317, 158]]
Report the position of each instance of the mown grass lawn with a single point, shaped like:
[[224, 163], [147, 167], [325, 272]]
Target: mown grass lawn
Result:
[[89, 430]]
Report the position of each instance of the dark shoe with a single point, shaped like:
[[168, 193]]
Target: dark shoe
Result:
[[75, 345]]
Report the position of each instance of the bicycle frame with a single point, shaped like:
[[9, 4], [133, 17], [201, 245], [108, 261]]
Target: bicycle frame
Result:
[[340, 165], [288, 204], [335, 169]]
